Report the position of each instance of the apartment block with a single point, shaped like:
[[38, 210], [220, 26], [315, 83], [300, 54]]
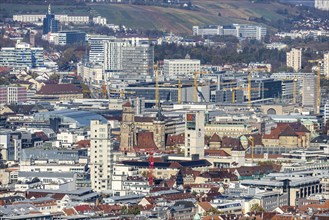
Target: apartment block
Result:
[[101, 155], [294, 59], [12, 94]]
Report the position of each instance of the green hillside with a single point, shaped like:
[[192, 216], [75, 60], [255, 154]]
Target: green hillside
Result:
[[162, 18], [179, 20]]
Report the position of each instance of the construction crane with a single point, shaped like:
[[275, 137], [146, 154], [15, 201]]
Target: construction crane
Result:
[[156, 85], [241, 88], [195, 76], [318, 101], [249, 88]]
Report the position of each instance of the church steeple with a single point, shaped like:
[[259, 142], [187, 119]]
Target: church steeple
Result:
[[49, 9]]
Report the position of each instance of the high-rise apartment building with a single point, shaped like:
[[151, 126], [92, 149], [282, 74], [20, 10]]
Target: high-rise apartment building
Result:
[[326, 113], [194, 133], [96, 52], [50, 24], [309, 98], [101, 155], [294, 59], [113, 54], [322, 4], [12, 94], [180, 67], [121, 55], [326, 65], [21, 56]]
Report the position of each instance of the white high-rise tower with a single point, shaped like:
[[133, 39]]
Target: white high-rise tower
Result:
[[101, 155]]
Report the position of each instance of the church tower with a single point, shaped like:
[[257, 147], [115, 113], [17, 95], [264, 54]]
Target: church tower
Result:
[[127, 128], [159, 130]]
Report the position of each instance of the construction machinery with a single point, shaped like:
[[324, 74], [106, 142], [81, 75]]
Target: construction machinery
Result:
[[195, 77], [318, 101]]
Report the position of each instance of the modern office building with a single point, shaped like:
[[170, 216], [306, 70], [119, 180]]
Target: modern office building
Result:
[[21, 56], [138, 59], [181, 67], [71, 37], [294, 59], [309, 97], [101, 155], [322, 5], [207, 31], [50, 24], [265, 89], [194, 133], [250, 31], [12, 94], [326, 65]]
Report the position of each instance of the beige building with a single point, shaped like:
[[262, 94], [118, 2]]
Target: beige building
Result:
[[230, 130], [181, 67], [101, 156], [91, 73], [294, 59], [194, 133]]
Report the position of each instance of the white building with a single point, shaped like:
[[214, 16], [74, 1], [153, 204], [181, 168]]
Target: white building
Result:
[[194, 133], [22, 56], [322, 5], [101, 156], [326, 65], [65, 19], [326, 112], [294, 59], [113, 54], [96, 52], [91, 73], [181, 67], [309, 98], [99, 20]]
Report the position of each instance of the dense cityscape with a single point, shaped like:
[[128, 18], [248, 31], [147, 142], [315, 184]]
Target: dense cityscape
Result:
[[106, 118]]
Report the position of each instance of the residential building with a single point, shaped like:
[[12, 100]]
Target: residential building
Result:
[[101, 156], [113, 54], [97, 44], [194, 134], [309, 96], [294, 59], [21, 56], [181, 67], [50, 24], [12, 94], [326, 65], [322, 5]]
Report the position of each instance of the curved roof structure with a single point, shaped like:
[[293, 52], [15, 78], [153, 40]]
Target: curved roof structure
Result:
[[80, 118]]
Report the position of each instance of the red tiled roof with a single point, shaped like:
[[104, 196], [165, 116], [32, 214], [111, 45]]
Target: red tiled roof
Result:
[[69, 212], [145, 140], [83, 144], [83, 208], [287, 129], [173, 140], [229, 142], [127, 104], [205, 206], [220, 153], [42, 136], [215, 138], [58, 89]]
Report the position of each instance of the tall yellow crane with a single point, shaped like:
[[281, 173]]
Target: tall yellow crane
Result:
[[249, 88], [195, 76], [156, 85], [318, 101]]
